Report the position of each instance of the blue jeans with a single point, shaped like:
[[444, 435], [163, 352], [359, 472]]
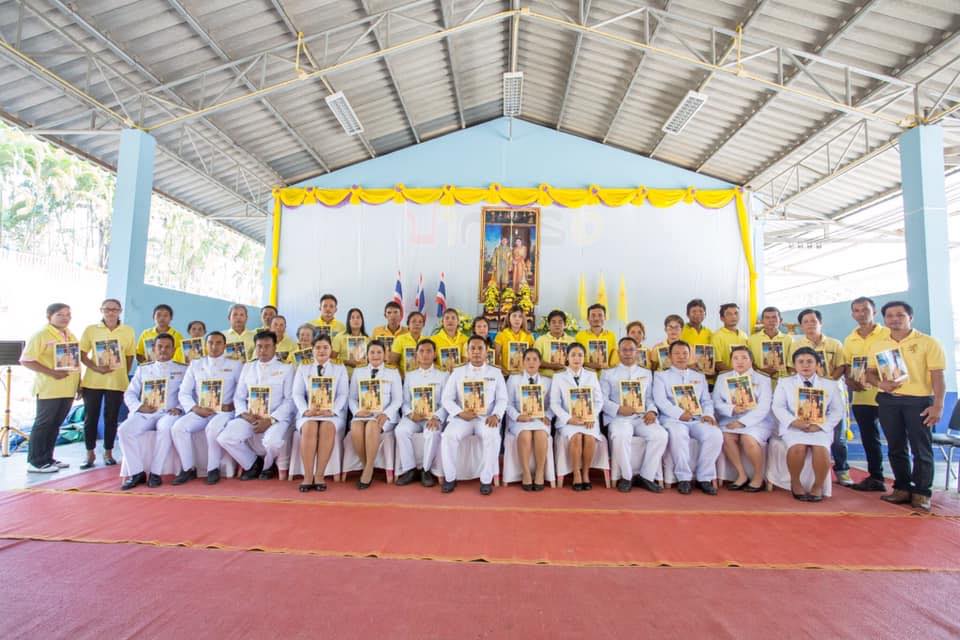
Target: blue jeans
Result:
[[839, 447]]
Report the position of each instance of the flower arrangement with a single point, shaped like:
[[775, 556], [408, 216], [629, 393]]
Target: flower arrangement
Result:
[[572, 326]]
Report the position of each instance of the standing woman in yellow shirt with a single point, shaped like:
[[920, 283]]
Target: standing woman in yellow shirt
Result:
[[514, 332], [107, 350], [480, 327], [450, 337], [162, 317], [638, 332], [356, 328], [55, 388]]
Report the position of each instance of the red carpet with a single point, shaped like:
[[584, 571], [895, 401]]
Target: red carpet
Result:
[[130, 591]]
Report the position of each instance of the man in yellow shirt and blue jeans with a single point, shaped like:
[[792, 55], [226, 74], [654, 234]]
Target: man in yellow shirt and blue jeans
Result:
[[911, 404]]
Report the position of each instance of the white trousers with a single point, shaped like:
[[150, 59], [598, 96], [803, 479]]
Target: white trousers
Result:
[[137, 424], [458, 429], [622, 431], [405, 454], [244, 445], [182, 434], [711, 445]]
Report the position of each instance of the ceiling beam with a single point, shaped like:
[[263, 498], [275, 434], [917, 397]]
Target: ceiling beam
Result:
[[853, 18], [452, 61]]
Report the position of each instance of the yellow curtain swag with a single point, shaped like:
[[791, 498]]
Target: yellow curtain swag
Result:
[[543, 195]]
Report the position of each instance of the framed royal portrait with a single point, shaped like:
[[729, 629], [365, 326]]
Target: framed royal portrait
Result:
[[510, 249]]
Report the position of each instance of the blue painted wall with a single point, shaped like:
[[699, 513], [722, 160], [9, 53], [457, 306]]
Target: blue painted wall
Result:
[[186, 307], [486, 153]]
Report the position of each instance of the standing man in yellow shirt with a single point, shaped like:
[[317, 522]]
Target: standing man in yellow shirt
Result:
[[672, 328], [693, 330], [858, 345], [728, 336], [408, 342], [553, 360], [107, 350], [450, 337], [910, 408], [162, 317], [834, 367], [286, 346], [267, 314], [771, 319], [393, 314], [327, 322], [596, 317], [238, 332], [55, 388]]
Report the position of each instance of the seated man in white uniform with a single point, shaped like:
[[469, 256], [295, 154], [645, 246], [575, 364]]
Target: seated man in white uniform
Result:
[[478, 414], [807, 423], [152, 399], [259, 434], [686, 411], [532, 431], [204, 373], [415, 420], [746, 421], [625, 421]]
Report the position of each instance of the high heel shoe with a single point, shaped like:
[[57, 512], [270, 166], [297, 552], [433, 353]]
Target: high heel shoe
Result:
[[304, 488]]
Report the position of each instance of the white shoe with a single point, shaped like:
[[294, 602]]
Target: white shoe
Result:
[[61, 465], [47, 468]]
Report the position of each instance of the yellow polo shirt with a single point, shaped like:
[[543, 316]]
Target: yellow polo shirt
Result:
[[921, 353], [286, 349], [503, 340], [335, 326], [655, 356], [586, 335], [542, 344], [116, 380], [401, 343], [443, 341], [723, 340], [41, 348], [755, 342], [383, 331], [856, 346], [830, 348], [246, 338], [341, 348], [149, 335], [691, 336]]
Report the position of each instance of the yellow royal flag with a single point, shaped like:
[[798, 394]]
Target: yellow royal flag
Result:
[[582, 298], [622, 313], [602, 293]]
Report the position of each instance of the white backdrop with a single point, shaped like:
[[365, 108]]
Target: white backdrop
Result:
[[667, 256]]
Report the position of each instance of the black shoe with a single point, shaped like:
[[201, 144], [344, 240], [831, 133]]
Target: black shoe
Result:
[[707, 488], [624, 485], [587, 486], [362, 485], [320, 486], [813, 498], [749, 488], [253, 472], [133, 481], [578, 486], [538, 487], [89, 464], [406, 477], [733, 486], [185, 476], [526, 487], [304, 488], [154, 481], [486, 489], [269, 474], [213, 477], [650, 486], [427, 479], [684, 487], [448, 486], [867, 484], [635, 480], [109, 462], [802, 497]]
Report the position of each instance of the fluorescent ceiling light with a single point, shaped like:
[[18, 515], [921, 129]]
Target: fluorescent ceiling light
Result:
[[344, 113], [684, 112], [512, 93]]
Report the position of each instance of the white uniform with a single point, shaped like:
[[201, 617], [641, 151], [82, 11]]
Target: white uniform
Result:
[[513, 406], [238, 437], [563, 381], [341, 387], [785, 400], [709, 436], [622, 429], [206, 368], [137, 424], [495, 400], [407, 427], [757, 422], [391, 390]]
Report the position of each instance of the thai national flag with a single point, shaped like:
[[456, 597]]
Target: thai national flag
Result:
[[421, 299], [398, 293], [441, 297]]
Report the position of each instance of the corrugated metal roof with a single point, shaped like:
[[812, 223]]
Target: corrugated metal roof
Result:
[[608, 70]]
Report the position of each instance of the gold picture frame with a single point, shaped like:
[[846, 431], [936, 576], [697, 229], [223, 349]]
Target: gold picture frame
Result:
[[499, 261]]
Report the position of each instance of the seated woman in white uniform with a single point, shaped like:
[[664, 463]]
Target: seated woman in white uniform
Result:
[[532, 432], [807, 423], [319, 427], [578, 423], [746, 423], [373, 413]]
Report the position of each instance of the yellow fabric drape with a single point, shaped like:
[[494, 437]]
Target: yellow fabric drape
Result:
[[543, 195]]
